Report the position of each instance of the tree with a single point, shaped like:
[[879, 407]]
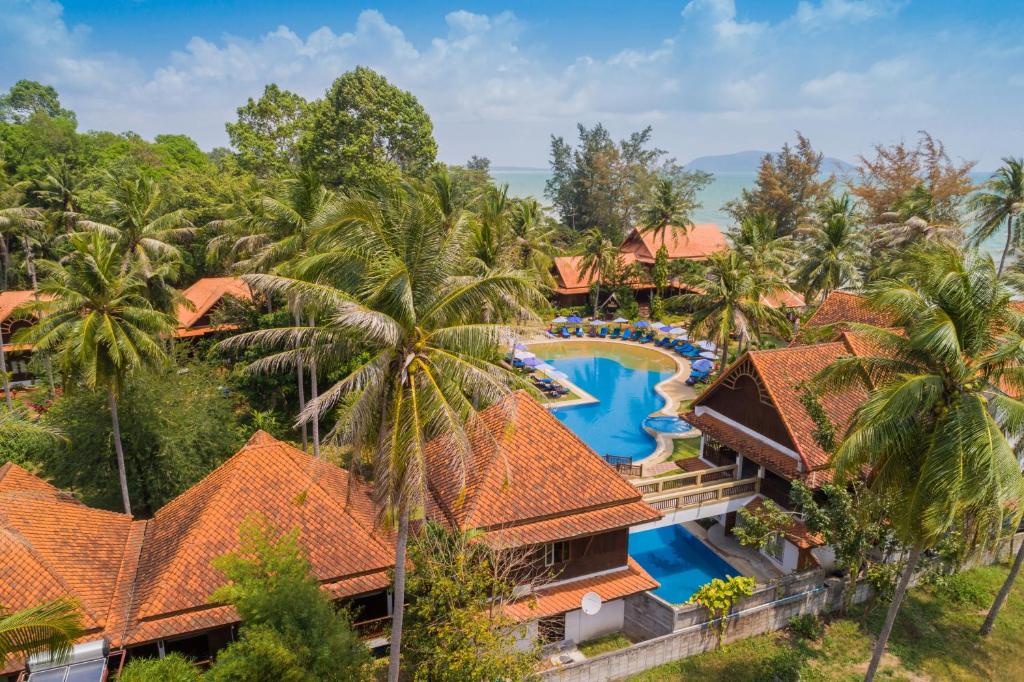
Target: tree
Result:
[[789, 185], [1004, 592], [396, 294], [933, 432], [365, 130], [268, 131], [137, 222], [597, 259], [668, 209], [172, 668], [883, 181], [836, 250], [97, 324], [162, 458], [26, 98], [290, 628], [719, 596], [52, 626], [729, 299], [456, 628], [1001, 200], [533, 239], [756, 239]]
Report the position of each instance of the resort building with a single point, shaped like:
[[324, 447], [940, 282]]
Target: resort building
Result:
[[144, 585], [841, 308], [754, 416], [207, 297], [639, 247], [17, 356]]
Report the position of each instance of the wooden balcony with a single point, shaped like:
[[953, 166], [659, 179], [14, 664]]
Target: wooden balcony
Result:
[[693, 489]]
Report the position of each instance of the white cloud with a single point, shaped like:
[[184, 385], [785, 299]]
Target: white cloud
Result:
[[716, 82]]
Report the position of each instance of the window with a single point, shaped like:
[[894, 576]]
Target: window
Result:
[[774, 549], [556, 553]]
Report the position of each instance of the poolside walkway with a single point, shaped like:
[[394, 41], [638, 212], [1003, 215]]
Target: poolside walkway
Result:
[[746, 560]]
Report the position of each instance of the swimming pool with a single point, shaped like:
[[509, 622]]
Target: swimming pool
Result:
[[677, 560], [622, 378]]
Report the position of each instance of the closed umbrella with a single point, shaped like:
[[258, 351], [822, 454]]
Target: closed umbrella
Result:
[[707, 345], [708, 354]]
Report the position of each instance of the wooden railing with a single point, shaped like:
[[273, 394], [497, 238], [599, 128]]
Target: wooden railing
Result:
[[624, 465], [693, 489], [375, 627]]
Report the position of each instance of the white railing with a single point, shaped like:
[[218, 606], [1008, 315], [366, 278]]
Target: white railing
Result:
[[695, 488]]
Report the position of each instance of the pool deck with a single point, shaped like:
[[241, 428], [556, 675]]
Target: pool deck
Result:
[[673, 391]]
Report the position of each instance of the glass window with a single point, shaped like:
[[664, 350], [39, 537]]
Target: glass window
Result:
[[556, 553]]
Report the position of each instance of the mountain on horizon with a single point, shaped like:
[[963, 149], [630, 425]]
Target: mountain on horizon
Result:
[[748, 162]]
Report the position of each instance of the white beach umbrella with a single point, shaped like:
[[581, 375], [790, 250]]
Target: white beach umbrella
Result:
[[707, 345], [708, 354], [676, 331], [620, 320], [524, 354], [560, 320], [597, 323]]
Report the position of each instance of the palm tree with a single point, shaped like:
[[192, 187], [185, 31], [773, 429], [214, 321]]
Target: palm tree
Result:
[[397, 297], [916, 218], [757, 242], [597, 260], [533, 239], [14, 218], [1001, 201], [933, 431], [50, 627], [836, 249], [668, 207], [729, 300], [98, 325], [138, 223], [59, 189]]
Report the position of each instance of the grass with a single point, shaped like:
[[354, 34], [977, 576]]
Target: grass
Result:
[[604, 644], [935, 638], [685, 448]]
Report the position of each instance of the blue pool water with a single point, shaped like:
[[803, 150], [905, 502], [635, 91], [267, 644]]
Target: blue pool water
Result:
[[667, 424], [677, 560], [623, 381]]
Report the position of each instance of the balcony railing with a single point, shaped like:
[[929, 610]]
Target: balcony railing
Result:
[[693, 489], [375, 627], [623, 465]]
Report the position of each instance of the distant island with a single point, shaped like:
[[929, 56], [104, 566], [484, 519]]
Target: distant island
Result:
[[748, 162]]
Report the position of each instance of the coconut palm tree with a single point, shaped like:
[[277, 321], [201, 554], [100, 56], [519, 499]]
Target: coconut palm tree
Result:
[[667, 207], [1000, 201], [396, 299], [60, 190], [756, 240], [97, 324], [598, 257], [934, 432], [728, 300], [51, 627], [139, 224], [533, 240], [835, 252]]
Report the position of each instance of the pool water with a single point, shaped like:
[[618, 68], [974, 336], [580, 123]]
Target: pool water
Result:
[[622, 378], [667, 424], [677, 560]]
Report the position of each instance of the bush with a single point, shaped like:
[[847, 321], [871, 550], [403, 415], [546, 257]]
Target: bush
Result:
[[172, 668], [960, 590], [806, 626], [260, 655]]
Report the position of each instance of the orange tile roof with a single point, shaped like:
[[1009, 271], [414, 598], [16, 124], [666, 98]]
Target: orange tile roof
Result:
[[786, 298], [570, 280], [518, 475], [566, 597], [843, 307], [698, 241], [206, 293], [781, 371], [9, 300]]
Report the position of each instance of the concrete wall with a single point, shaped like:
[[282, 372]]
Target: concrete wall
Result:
[[580, 627]]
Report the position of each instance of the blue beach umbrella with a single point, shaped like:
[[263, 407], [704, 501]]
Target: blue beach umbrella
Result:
[[665, 328], [520, 346], [575, 319], [641, 323], [531, 362], [703, 365]]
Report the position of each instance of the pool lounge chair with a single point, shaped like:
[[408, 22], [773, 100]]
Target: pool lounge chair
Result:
[[647, 339], [627, 335], [615, 333], [579, 331], [603, 333], [565, 332], [696, 377]]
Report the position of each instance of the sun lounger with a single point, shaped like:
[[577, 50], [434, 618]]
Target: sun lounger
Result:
[[565, 332], [615, 333], [603, 333], [626, 335], [579, 331]]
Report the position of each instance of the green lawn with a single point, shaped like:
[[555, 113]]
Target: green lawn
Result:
[[685, 448], [604, 644], [935, 638]]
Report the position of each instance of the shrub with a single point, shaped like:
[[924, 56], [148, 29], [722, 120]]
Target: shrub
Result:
[[172, 668], [806, 626], [960, 590]]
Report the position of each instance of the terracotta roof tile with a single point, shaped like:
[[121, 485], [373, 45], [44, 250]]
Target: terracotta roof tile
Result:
[[566, 597], [518, 472], [206, 293], [566, 527], [843, 307], [698, 241], [570, 280], [9, 300]]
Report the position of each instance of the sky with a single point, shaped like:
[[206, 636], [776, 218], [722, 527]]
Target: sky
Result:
[[498, 78]]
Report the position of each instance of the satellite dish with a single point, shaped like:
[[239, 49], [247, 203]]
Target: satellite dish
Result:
[[591, 603]]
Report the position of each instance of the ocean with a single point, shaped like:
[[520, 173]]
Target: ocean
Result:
[[724, 188]]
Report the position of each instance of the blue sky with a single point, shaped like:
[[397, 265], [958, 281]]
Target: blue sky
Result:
[[711, 76]]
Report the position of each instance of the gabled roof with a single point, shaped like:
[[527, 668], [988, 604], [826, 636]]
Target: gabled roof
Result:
[[786, 298], [206, 293], [570, 280], [518, 487], [841, 307], [697, 241], [335, 517], [9, 300], [780, 373]]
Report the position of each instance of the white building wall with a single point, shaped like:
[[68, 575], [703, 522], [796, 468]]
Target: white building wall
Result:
[[526, 635], [579, 627]]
